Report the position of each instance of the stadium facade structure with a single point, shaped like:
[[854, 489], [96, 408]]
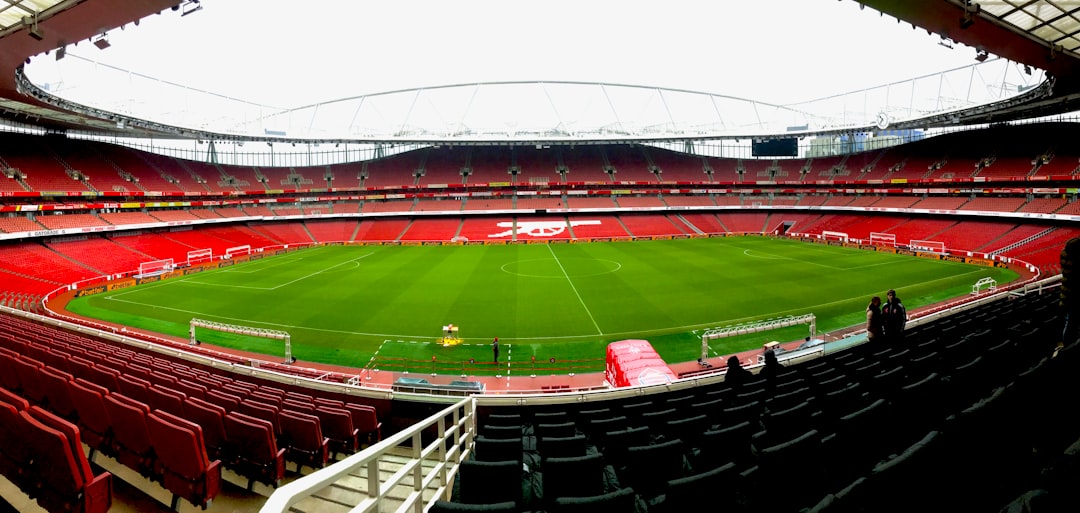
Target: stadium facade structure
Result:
[[1032, 176]]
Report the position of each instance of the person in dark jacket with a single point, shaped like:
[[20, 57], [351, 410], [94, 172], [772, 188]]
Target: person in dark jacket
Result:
[[894, 318], [736, 375]]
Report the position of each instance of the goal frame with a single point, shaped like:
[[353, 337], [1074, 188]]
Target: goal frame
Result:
[[840, 236], [156, 267], [756, 327], [237, 250], [882, 239], [931, 246], [242, 330], [200, 255]]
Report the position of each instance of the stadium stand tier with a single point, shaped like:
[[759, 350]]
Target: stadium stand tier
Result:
[[205, 435]]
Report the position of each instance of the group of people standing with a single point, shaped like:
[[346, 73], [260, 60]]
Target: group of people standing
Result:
[[885, 322]]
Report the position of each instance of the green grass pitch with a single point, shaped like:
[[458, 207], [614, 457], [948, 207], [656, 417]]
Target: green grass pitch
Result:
[[384, 306]]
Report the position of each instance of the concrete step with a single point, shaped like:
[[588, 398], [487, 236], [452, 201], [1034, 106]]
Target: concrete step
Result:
[[351, 490]]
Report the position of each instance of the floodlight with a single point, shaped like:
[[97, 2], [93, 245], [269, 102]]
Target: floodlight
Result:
[[981, 55], [61, 52], [102, 42]]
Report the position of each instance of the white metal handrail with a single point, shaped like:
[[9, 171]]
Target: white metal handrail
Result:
[[453, 444]]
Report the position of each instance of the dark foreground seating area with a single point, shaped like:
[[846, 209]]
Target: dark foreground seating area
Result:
[[964, 415]]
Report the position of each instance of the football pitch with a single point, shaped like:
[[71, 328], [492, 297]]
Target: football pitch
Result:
[[560, 304]]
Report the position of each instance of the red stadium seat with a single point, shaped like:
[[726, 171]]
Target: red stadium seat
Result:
[[62, 479], [298, 406], [135, 388], [8, 378], [166, 399], [94, 421], [13, 399], [57, 395], [14, 457], [366, 422], [228, 401], [131, 439], [187, 470], [258, 457], [301, 436], [338, 427], [261, 411], [265, 398], [30, 386], [106, 377], [191, 389], [211, 418]]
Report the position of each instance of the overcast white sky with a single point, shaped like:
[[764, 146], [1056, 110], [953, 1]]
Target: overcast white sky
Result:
[[289, 53]]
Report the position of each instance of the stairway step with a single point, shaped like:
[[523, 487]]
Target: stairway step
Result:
[[351, 490]]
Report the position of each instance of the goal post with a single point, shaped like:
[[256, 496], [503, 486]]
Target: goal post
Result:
[[156, 267], [840, 236], [988, 285], [200, 255], [237, 250], [927, 245], [755, 327], [242, 330], [882, 239]]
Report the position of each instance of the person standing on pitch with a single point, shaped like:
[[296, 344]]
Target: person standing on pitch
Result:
[[894, 317], [495, 349]]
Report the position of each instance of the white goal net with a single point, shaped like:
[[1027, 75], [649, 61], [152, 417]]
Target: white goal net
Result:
[[237, 250], [200, 255], [932, 246], [156, 267], [840, 236], [882, 239], [241, 330]]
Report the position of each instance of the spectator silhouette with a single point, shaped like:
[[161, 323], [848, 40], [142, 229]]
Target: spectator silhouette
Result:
[[772, 367], [894, 318], [736, 375]]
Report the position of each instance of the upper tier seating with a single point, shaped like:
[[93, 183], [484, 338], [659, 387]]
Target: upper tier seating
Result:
[[148, 177], [490, 164], [122, 218], [443, 167], [537, 165], [67, 221], [15, 224], [584, 164], [629, 163], [392, 172]]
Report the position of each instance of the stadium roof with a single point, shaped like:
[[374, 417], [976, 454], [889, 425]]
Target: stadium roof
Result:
[[1027, 36]]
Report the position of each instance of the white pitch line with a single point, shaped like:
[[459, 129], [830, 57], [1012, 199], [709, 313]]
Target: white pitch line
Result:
[[322, 271], [571, 282]]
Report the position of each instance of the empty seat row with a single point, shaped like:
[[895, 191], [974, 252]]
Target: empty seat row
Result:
[[47, 461]]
